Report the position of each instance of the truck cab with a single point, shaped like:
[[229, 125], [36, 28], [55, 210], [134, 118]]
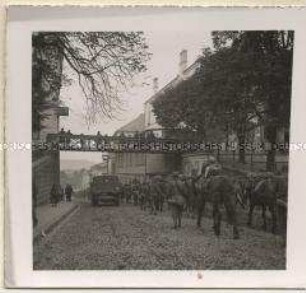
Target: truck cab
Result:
[[105, 190]]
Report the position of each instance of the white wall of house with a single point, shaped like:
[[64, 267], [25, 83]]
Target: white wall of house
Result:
[[150, 118]]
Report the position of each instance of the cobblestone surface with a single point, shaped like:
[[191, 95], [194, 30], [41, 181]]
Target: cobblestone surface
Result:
[[123, 238]]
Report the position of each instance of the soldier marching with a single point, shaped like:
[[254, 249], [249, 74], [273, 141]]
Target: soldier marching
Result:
[[181, 194]]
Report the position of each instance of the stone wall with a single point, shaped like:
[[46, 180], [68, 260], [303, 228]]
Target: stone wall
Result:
[[46, 164], [162, 163], [136, 165], [50, 124], [45, 168]]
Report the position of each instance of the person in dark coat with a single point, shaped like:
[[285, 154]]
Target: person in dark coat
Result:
[[54, 195], [68, 192], [62, 193], [177, 201]]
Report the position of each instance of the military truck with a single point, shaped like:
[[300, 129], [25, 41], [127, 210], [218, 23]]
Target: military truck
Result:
[[105, 190]]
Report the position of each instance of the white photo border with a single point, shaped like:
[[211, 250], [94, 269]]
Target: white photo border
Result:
[[22, 21]]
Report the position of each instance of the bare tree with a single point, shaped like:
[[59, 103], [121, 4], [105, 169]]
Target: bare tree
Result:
[[105, 64]]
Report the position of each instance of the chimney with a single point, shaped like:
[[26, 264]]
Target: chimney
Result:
[[155, 85], [183, 61]]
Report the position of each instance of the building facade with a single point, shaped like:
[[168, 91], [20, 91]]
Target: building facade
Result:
[[130, 166], [46, 163], [135, 165]]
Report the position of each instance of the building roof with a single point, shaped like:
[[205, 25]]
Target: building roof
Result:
[[187, 73], [138, 124]]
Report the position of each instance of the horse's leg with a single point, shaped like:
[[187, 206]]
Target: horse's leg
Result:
[[174, 215], [162, 204], [154, 205], [217, 219], [159, 204], [235, 229], [232, 216], [179, 217], [188, 209], [264, 217], [151, 206], [200, 210], [252, 206], [273, 213], [193, 210]]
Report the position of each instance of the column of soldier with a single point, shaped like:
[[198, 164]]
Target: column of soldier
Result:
[[189, 194]]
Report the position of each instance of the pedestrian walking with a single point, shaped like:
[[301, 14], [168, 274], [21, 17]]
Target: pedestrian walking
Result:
[[62, 193], [54, 195], [68, 192]]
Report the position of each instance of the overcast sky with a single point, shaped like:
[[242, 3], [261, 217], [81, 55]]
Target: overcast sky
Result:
[[165, 41]]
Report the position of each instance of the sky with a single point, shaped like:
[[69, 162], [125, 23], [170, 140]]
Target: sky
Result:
[[165, 44]]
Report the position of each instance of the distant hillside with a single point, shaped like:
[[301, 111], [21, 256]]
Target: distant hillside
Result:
[[76, 164]]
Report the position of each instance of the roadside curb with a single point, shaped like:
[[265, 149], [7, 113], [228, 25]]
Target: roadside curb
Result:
[[39, 235]]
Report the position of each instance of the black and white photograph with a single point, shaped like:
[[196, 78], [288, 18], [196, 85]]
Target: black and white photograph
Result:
[[160, 148], [163, 208]]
